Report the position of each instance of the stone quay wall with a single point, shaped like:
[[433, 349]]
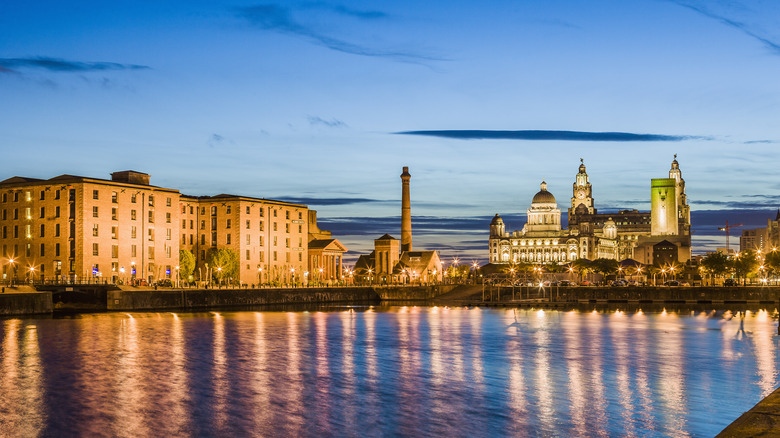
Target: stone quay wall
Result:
[[412, 293], [666, 294], [190, 299], [28, 303]]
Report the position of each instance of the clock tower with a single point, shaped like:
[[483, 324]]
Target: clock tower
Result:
[[582, 197]]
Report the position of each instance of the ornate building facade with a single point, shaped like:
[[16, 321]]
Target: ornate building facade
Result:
[[76, 229], [590, 235]]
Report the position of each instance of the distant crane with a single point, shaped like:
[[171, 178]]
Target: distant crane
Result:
[[726, 229]]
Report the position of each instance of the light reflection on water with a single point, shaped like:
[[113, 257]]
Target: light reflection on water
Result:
[[433, 371]]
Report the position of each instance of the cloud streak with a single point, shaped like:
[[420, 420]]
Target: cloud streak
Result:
[[279, 18], [550, 135], [330, 201], [745, 28], [13, 65], [332, 123]]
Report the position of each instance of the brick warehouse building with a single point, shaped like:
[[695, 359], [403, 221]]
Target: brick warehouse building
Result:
[[74, 228]]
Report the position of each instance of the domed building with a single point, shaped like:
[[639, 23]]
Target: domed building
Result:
[[540, 241], [621, 235]]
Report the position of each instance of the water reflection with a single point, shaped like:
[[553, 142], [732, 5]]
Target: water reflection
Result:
[[388, 371], [127, 381], [22, 406]]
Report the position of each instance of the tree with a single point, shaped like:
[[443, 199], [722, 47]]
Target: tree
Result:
[[554, 267], [717, 264], [186, 263], [458, 273], [772, 262], [582, 267], [223, 263], [605, 266], [746, 262]]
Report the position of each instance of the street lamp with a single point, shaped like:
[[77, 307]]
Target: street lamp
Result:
[[12, 268], [32, 274], [219, 274]]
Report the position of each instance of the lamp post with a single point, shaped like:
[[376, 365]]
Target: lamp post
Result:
[[512, 272], [260, 275], [219, 274], [11, 272], [32, 274], [178, 278]]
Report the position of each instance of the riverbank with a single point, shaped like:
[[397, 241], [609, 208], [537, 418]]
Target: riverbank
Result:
[[102, 298], [566, 296], [25, 301]]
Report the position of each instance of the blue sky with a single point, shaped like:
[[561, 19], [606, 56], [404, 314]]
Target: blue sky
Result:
[[309, 100]]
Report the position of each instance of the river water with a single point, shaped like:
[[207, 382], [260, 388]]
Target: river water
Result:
[[422, 371]]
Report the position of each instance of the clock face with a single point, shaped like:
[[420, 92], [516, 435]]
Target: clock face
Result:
[[580, 194]]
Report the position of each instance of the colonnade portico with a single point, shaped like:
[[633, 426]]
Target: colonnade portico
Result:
[[331, 265], [326, 260]]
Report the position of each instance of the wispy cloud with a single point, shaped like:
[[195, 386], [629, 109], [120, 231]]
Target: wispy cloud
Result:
[[14, 65], [345, 10], [550, 135], [751, 30], [422, 225], [762, 142], [329, 201], [332, 123], [216, 140], [745, 202], [281, 18]]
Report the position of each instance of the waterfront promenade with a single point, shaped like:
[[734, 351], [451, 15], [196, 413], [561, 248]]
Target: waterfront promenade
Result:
[[86, 298]]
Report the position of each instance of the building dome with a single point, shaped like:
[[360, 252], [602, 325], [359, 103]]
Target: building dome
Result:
[[496, 220], [543, 197]]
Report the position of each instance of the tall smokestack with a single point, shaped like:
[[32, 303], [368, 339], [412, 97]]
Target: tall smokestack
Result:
[[406, 212]]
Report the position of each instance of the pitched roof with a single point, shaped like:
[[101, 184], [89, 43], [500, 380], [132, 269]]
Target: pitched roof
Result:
[[20, 179], [332, 244], [364, 263], [387, 237], [420, 261]]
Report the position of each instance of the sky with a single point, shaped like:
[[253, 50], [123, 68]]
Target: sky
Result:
[[324, 102]]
